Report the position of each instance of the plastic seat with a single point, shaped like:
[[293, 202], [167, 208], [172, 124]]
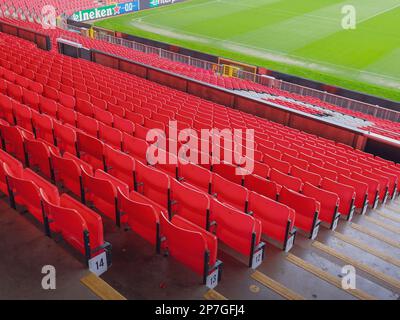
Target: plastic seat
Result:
[[25, 191], [68, 172], [383, 182], [31, 99], [228, 172], [306, 176], [49, 107], [261, 169], [347, 195], [277, 219], [65, 138], [373, 188], [282, 179], [78, 225], [294, 161], [277, 164], [6, 109], [361, 189], [142, 218], [237, 230], [190, 245], [13, 141], [100, 190], [84, 107], [323, 172], [23, 116], [190, 204], [110, 135], [262, 186], [87, 124], [195, 176], [124, 125], [90, 150], [14, 166], [329, 202], [135, 147], [229, 193], [43, 127], [152, 186], [307, 210], [120, 165], [38, 156]]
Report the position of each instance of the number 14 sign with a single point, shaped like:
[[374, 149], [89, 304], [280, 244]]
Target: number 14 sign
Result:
[[98, 264]]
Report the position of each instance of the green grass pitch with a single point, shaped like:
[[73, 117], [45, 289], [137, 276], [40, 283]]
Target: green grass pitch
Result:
[[299, 37]]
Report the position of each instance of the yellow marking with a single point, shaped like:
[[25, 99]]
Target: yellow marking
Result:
[[376, 235], [367, 248], [214, 295], [359, 265], [387, 216], [327, 277], [101, 288], [383, 225], [276, 286]]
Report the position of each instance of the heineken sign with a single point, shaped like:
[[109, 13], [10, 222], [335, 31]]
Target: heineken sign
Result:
[[106, 11]]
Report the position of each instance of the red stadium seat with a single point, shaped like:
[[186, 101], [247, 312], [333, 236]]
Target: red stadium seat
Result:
[[238, 230], [307, 210], [277, 219], [68, 173], [25, 191], [135, 147], [14, 166], [78, 225], [282, 179], [329, 202], [229, 193], [65, 138], [120, 165], [191, 245], [323, 172], [38, 156], [88, 125], [91, 150], [361, 188], [190, 204], [100, 191], [262, 186], [23, 116], [152, 186], [383, 182], [195, 176], [306, 176], [110, 135], [142, 218], [6, 109], [294, 161], [347, 195], [282, 166], [13, 141], [373, 188], [227, 171], [43, 127]]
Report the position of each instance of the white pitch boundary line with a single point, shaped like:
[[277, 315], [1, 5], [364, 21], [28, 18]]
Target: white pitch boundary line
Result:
[[301, 59], [379, 13]]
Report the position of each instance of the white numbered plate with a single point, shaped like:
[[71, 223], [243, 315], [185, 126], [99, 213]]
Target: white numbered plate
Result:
[[257, 258], [212, 279], [98, 264]]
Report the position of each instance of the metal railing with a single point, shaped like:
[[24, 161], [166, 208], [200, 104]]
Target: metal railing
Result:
[[347, 103]]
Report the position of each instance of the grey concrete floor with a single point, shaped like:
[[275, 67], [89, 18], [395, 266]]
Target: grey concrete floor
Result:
[[139, 273]]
